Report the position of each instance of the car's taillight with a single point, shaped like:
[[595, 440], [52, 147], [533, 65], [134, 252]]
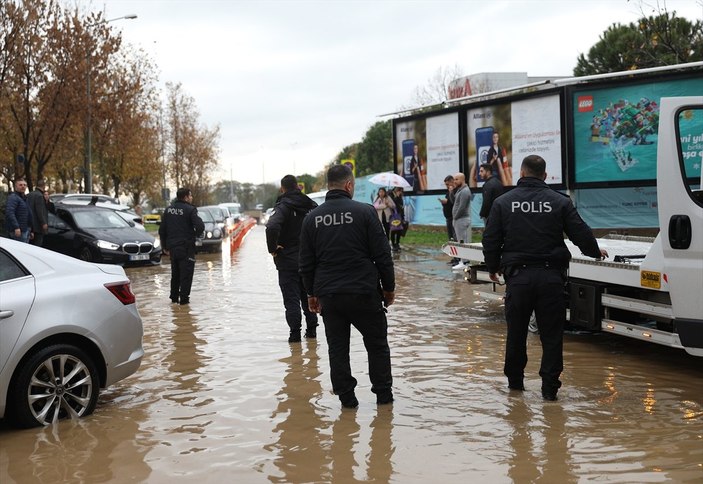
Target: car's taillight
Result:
[[122, 291]]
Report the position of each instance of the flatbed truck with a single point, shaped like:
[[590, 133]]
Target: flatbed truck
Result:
[[649, 289]]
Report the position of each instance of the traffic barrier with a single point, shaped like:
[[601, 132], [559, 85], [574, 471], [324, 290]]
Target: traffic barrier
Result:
[[239, 231]]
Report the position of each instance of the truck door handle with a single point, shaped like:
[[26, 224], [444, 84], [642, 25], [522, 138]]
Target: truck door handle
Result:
[[6, 314], [680, 232]]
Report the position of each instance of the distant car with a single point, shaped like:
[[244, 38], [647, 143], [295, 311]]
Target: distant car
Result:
[[221, 216], [234, 209], [67, 329], [154, 217], [266, 215], [212, 237], [99, 234]]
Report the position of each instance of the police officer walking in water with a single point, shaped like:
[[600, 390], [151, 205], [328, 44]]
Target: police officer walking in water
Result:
[[524, 241], [180, 225], [347, 270], [283, 241]]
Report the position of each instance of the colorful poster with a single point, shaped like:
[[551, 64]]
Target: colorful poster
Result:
[[503, 134], [615, 130]]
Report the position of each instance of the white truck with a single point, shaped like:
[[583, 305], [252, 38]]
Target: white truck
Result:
[[648, 289]]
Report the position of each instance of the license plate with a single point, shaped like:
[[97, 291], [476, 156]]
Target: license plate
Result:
[[650, 279], [139, 257]]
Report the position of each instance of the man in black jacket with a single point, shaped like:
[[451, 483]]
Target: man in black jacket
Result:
[[40, 213], [347, 270], [180, 226], [524, 241], [283, 242], [492, 189]]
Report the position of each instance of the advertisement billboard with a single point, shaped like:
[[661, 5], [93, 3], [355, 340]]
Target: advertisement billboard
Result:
[[503, 134], [427, 150], [615, 129]]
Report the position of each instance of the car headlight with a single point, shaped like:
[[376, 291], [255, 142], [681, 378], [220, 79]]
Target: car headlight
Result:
[[216, 233], [104, 244], [157, 243], [208, 235]]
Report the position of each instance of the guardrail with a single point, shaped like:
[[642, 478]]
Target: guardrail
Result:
[[240, 230]]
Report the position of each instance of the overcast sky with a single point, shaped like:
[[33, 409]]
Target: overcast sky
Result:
[[291, 82]]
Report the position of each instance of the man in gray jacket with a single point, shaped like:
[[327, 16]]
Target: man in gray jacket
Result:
[[461, 213]]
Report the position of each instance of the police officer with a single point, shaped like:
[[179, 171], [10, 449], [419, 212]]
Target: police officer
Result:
[[180, 225], [283, 241], [524, 241], [347, 270]]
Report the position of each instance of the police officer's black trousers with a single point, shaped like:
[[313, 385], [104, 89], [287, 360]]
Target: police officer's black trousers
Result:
[[540, 290], [295, 298], [182, 269], [367, 314]]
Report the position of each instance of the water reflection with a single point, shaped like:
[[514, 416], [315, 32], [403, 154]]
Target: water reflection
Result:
[[299, 452], [222, 397]]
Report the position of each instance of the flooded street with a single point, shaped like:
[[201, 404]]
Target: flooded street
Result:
[[222, 397]]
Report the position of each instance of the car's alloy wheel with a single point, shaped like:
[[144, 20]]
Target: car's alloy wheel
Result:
[[57, 382]]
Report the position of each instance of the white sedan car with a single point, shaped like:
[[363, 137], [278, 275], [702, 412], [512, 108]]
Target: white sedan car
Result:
[[67, 329]]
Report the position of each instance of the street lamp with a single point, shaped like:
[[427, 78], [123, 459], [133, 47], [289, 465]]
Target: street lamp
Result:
[[88, 160]]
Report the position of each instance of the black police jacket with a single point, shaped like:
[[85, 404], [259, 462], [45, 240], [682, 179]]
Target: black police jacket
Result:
[[492, 189], [344, 250], [527, 226], [283, 228], [180, 225]]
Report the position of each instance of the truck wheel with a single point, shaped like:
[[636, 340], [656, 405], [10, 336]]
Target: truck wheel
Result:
[[56, 382]]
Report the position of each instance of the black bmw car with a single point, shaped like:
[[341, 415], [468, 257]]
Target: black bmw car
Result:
[[99, 235]]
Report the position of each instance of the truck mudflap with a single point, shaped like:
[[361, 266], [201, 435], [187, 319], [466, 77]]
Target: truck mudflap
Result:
[[691, 335]]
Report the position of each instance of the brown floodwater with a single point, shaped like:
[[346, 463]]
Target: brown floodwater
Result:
[[222, 397]]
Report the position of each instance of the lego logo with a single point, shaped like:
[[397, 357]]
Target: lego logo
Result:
[[585, 104]]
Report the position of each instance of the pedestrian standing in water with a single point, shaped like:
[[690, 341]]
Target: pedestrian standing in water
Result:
[[283, 242], [524, 241], [347, 270], [180, 226]]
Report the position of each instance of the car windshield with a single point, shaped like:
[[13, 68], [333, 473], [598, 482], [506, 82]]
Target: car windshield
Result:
[[99, 219], [205, 215]]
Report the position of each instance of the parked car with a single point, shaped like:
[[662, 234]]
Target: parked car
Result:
[[99, 234], [221, 216], [124, 211], [67, 329], [212, 237], [85, 197]]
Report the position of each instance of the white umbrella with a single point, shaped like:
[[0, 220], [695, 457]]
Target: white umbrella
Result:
[[389, 180]]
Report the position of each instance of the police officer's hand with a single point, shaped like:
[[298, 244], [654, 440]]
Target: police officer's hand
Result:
[[314, 304], [165, 251], [603, 254], [388, 298], [278, 249], [18, 232], [495, 276]]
